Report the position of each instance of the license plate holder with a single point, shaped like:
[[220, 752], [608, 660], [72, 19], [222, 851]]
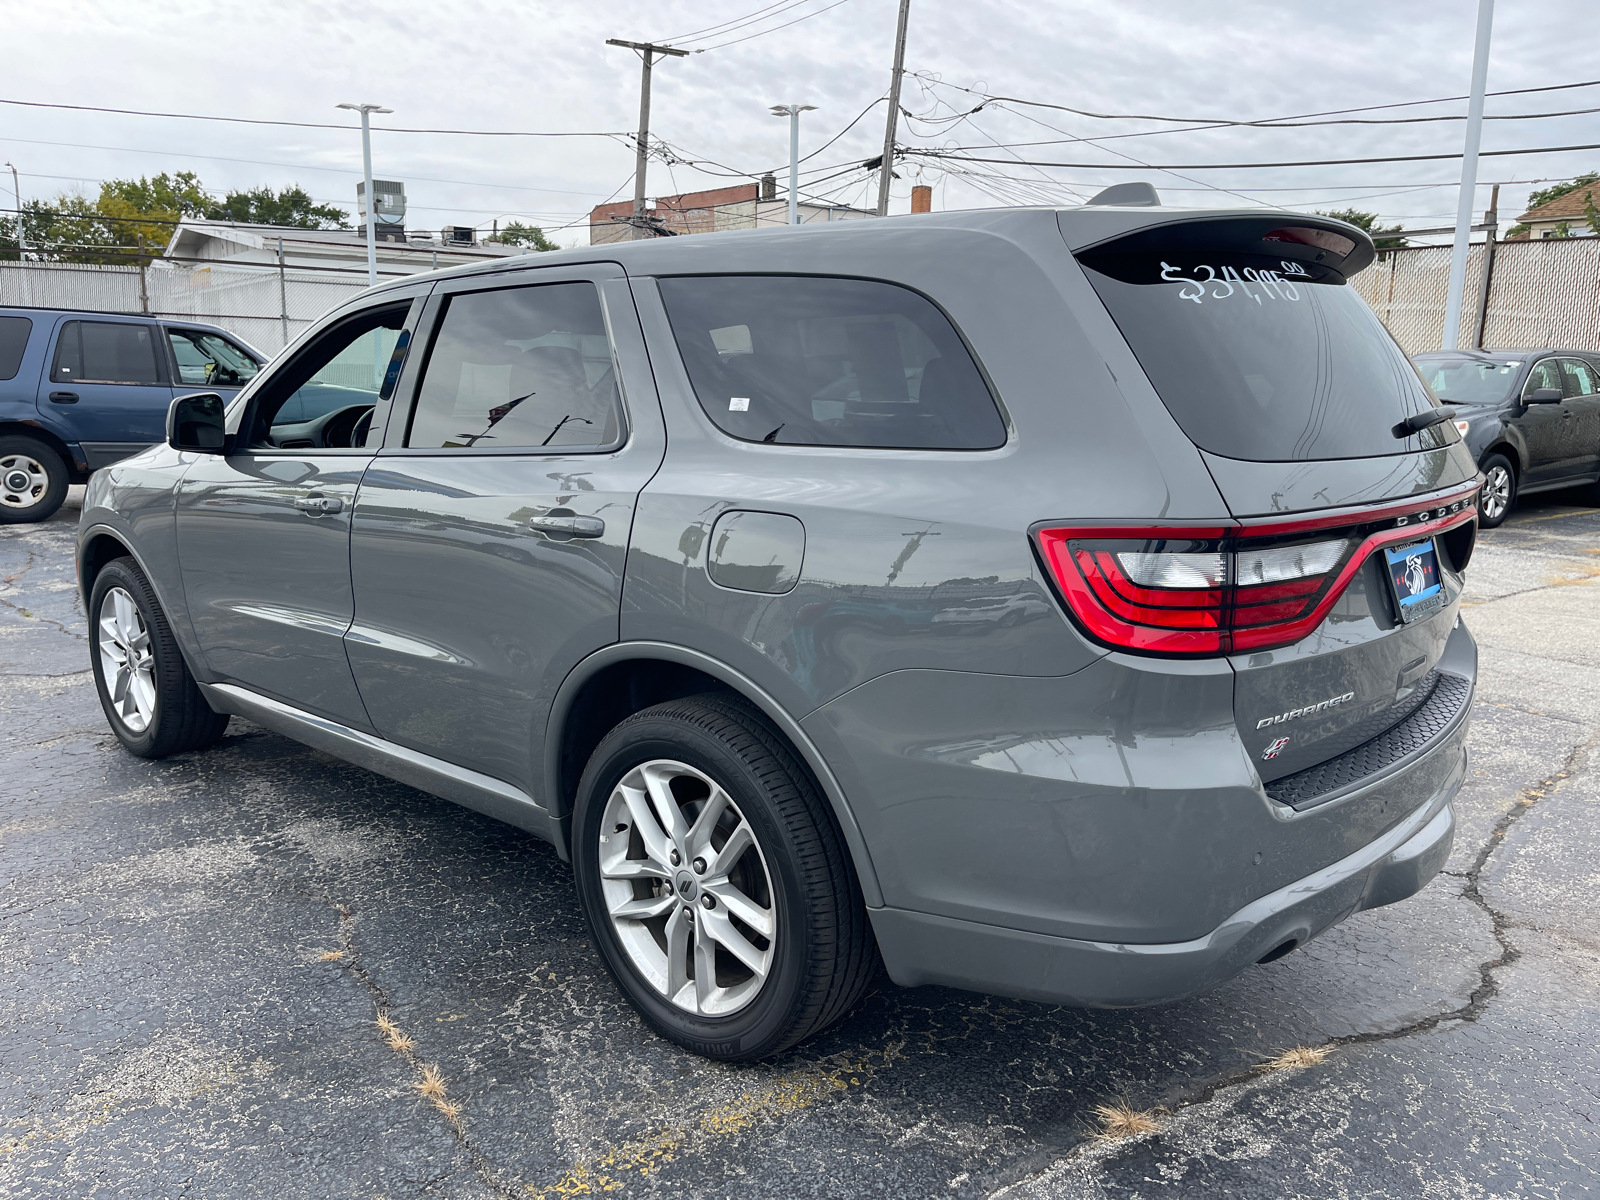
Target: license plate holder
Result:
[[1413, 571]]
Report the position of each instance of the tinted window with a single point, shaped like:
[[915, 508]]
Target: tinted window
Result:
[[804, 360], [1468, 379], [1256, 344], [101, 352], [344, 368], [520, 368], [13, 341], [209, 360]]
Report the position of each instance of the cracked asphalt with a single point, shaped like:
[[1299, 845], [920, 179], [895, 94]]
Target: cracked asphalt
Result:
[[196, 952]]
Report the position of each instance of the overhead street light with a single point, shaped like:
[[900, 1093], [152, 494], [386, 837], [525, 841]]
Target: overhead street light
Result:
[[793, 111], [366, 111]]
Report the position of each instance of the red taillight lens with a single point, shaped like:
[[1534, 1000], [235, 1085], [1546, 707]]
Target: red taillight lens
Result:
[[1158, 591], [1189, 591]]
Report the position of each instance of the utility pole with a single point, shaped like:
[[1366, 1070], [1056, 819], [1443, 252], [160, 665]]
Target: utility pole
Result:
[[886, 169], [647, 52], [793, 111], [22, 236], [370, 201], [1491, 236], [1469, 176]]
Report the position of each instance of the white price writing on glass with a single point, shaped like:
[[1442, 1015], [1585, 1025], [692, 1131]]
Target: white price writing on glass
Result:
[[1252, 282]]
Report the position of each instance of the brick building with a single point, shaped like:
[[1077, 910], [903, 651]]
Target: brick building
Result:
[[744, 206]]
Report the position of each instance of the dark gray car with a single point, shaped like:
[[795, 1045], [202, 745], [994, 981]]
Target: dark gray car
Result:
[[1059, 604], [1531, 418]]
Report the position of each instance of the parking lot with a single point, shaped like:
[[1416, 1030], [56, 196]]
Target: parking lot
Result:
[[196, 952]]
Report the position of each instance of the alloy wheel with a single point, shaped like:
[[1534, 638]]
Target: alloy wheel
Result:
[[687, 888], [126, 662], [23, 481], [1496, 492]]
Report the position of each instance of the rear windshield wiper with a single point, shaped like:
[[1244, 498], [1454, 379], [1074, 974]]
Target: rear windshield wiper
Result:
[[1419, 422]]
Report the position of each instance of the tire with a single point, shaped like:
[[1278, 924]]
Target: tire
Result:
[[155, 709], [33, 480], [1499, 497], [794, 882]]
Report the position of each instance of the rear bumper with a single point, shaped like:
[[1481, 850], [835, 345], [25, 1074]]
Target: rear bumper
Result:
[[919, 948]]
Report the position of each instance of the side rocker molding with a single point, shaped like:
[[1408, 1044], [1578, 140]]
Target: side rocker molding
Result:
[[470, 789], [618, 652]]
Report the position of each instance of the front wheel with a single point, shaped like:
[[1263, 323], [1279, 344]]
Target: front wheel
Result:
[[33, 480], [714, 881], [153, 703], [1499, 495]]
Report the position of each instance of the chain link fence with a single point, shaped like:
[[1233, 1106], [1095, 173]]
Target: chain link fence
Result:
[[1540, 293], [262, 305]]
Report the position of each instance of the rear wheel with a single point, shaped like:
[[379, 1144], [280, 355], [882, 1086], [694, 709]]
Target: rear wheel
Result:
[[715, 883], [33, 480], [1499, 495], [153, 703]]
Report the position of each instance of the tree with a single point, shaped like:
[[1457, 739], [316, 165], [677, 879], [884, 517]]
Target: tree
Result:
[[290, 206], [1369, 222], [518, 234]]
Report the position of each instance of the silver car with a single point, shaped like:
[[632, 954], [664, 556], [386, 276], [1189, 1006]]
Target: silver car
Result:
[[1060, 604]]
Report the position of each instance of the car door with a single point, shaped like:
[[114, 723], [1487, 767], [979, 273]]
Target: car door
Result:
[[264, 531], [108, 381], [490, 533], [1540, 426], [1581, 424], [204, 360]]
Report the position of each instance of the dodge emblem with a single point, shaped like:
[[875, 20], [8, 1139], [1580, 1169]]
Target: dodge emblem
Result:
[[1275, 748]]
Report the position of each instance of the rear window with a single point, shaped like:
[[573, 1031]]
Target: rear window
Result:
[[1254, 342], [819, 361], [13, 341]]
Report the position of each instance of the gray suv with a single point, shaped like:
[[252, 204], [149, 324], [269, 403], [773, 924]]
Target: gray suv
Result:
[[1053, 603]]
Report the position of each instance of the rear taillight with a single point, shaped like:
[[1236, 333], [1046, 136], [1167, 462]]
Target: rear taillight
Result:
[[1210, 590]]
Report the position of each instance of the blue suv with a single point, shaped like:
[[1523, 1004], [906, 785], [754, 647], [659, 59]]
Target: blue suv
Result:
[[81, 390]]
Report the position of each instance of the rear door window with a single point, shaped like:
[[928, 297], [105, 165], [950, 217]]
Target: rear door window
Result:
[[14, 333], [1255, 343], [105, 352], [818, 361]]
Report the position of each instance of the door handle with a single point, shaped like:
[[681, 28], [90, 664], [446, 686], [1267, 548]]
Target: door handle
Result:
[[563, 527], [63, 397], [316, 504]]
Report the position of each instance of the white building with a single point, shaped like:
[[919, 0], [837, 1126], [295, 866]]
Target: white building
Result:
[[198, 242]]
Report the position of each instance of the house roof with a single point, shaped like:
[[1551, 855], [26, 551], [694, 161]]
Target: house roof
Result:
[[264, 237], [1562, 208]]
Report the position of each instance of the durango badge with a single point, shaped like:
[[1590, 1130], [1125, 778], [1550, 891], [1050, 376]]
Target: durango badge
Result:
[[1296, 713], [1275, 748]]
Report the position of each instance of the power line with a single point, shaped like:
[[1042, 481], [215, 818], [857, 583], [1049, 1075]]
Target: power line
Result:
[[953, 155], [1268, 122], [764, 13], [135, 112], [774, 29]]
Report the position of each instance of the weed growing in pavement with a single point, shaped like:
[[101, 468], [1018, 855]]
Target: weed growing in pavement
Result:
[[1122, 1120], [1298, 1058], [398, 1039]]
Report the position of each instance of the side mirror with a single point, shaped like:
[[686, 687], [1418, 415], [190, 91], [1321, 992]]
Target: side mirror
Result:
[[196, 424], [1543, 396]]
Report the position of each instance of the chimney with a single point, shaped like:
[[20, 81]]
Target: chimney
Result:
[[922, 198], [769, 186]]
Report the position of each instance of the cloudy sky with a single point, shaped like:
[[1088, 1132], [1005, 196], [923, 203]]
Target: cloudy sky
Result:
[[543, 66]]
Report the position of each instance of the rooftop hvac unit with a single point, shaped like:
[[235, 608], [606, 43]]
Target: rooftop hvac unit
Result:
[[460, 235], [389, 201]]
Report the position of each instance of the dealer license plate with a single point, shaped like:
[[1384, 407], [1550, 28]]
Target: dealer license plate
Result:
[[1414, 576]]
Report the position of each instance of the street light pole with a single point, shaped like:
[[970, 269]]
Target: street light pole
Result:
[[647, 51], [16, 190], [1469, 177], [793, 111], [886, 168], [366, 110]]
